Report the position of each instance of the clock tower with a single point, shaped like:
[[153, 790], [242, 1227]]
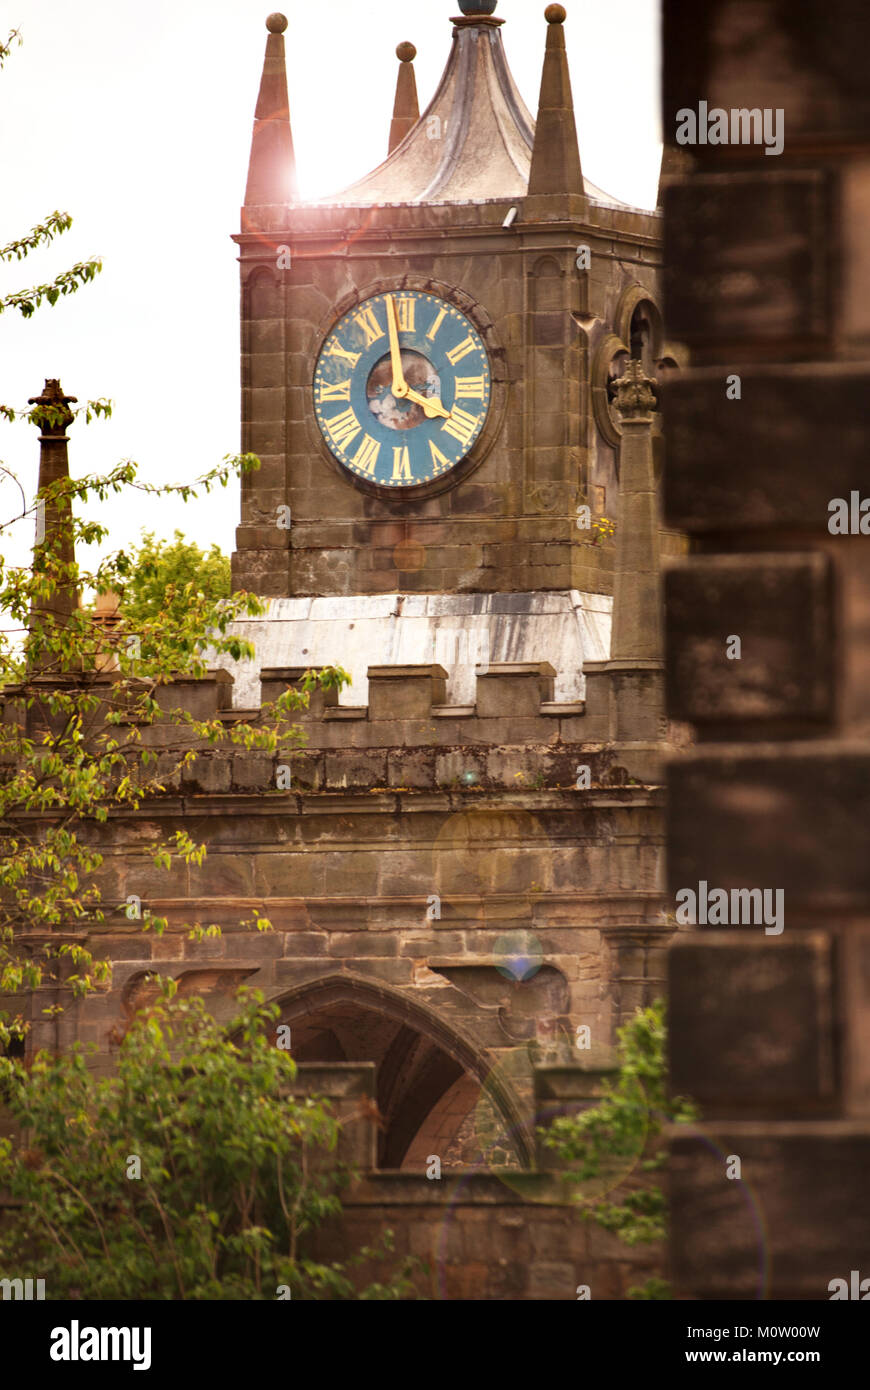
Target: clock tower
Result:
[[427, 354]]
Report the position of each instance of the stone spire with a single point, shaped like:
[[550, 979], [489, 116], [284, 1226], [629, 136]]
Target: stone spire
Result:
[[406, 111], [54, 546], [272, 168], [636, 632], [556, 154], [676, 164]]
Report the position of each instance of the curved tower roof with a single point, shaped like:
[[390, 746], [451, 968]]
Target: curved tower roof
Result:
[[472, 143]]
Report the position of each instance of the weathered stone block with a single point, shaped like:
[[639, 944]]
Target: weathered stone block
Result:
[[514, 690], [276, 680], [754, 463], [356, 769], [780, 608], [202, 698], [753, 818], [759, 1016], [804, 1179], [747, 258], [254, 771], [405, 692]]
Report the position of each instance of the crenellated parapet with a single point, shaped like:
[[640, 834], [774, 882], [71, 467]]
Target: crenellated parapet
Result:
[[515, 737]]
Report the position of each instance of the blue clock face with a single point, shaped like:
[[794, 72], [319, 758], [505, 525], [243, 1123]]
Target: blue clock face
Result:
[[402, 389]]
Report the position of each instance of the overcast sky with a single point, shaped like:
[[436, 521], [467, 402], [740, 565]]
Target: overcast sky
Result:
[[136, 119]]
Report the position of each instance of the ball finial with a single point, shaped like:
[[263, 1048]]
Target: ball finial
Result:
[[473, 7], [406, 52], [276, 23], [555, 14]]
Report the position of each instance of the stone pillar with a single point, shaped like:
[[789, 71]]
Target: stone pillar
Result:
[[54, 551], [767, 281], [625, 695], [636, 631]]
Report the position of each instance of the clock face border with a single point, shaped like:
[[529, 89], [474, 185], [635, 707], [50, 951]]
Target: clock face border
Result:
[[494, 355]]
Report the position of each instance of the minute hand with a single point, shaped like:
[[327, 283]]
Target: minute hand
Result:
[[400, 386]]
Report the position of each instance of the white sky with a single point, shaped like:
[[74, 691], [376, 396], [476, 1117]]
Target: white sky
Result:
[[136, 119]]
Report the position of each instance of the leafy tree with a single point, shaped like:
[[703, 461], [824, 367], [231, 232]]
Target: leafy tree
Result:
[[610, 1151], [88, 725], [89, 728], [165, 576], [193, 1173]]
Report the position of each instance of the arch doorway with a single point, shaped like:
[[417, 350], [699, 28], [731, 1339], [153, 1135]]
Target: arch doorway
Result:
[[432, 1091]]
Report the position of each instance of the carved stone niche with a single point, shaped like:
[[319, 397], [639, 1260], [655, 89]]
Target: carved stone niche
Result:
[[637, 334]]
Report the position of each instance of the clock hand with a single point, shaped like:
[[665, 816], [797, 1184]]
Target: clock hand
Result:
[[400, 385], [401, 390], [430, 404]]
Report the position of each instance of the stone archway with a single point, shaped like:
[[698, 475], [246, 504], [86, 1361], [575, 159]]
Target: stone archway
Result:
[[421, 1063]]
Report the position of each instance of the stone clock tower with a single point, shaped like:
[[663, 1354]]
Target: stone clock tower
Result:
[[470, 230], [449, 375]]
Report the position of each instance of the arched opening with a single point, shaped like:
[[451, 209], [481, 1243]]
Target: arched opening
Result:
[[435, 1093]]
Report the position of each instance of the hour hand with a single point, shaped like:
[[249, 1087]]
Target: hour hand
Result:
[[430, 405], [400, 385]]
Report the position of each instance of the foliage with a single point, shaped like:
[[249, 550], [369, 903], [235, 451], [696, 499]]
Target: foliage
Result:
[[91, 724], [81, 741], [165, 576], [611, 1150], [92, 727], [603, 529], [232, 1181]]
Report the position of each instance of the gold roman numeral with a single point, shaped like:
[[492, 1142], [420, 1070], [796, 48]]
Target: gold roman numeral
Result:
[[406, 310], [461, 350], [369, 325], [401, 464], [339, 391], [437, 324], [336, 350], [343, 428], [366, 455], [439, 460], [461, 425], [471, 388]]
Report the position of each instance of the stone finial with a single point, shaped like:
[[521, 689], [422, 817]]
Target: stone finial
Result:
[[272, 167], [54, 400], [634, 394], [556, 155], [476, 7], [406, 109]]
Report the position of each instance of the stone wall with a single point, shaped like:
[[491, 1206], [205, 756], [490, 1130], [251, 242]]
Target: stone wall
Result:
[[768, 281], [433, 867]]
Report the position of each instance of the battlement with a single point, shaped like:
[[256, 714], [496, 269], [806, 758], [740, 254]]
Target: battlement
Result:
[[515, 737]]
